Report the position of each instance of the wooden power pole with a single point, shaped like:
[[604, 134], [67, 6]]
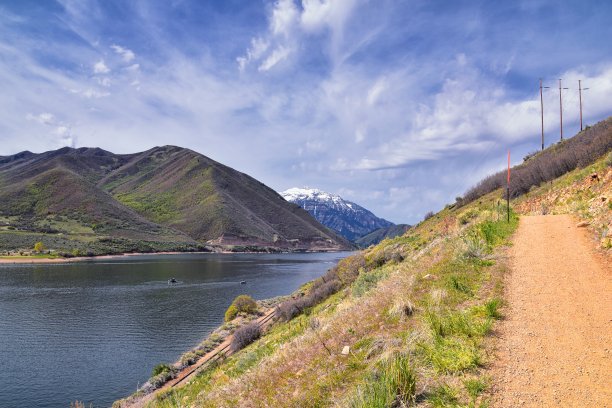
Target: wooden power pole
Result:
[[542, 110], [561, 108], [580, 89]]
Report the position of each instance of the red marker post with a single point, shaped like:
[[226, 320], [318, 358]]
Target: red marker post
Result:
[[508, 186]]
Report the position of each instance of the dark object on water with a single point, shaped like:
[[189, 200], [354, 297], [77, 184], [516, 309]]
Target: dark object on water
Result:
[[171, 281], [243, 282]]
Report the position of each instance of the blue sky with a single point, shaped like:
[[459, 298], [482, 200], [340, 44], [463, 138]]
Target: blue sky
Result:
[[397, 105]]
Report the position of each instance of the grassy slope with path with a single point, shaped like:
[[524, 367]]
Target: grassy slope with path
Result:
[[417, 319]]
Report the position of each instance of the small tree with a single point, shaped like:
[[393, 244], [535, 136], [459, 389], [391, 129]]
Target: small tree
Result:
[[242, 304], [39, 247]]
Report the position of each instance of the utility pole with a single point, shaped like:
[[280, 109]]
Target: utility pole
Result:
[[542, 110], [508, 187], [580, 89], [561, 108]]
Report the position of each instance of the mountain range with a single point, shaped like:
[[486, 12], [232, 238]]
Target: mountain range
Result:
[[166, 198], [348, 219]]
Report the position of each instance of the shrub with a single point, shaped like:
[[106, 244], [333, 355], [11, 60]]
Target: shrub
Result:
[[242, 304], [474, 247], [189, 358], [324, 291], [466, 216], [577, 152], [348, 269], [39, 247], [290, 309], [609, 160], [160, 379], [318, 292], [160, 368], [245, 335], [428, 215], [231, 312]]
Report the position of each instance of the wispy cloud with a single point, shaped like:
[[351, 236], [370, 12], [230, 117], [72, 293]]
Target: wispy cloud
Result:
[[126, 54], [100, 68]]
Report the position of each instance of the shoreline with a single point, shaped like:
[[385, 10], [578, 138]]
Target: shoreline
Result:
[[20, 260], [33, 260]]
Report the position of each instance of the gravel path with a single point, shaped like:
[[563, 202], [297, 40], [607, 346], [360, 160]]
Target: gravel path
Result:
[[555, 347]]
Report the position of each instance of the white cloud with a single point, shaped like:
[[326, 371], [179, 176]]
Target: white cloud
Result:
[[66, 136], [126, 54], [101, 68], [93, 93], [257, 49], [277, 44], [278, 55], [318, 14], [42, 118], [284, 17], [376, 91], [471, 114], [104, 81], [133, 68], [288, 24], [61, 130]]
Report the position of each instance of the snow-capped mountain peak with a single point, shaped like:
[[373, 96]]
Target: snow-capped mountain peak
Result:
[[294, 194], [347, 218]]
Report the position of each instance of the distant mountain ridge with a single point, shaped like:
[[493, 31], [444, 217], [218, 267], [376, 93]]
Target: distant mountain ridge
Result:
[[348, 219], [378, 235], [162, 199]]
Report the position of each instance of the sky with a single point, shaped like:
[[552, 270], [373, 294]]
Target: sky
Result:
[[399, 106]]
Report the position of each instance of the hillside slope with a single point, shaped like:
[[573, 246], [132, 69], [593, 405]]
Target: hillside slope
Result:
[[167, 198], [408, 321], [348, 219]]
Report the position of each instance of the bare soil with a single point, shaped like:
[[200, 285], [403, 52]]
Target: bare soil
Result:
[[555, 346]]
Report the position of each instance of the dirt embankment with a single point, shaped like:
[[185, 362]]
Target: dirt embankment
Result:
[[555, 347]]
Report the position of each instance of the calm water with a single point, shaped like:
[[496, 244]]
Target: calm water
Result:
[[93, 331]]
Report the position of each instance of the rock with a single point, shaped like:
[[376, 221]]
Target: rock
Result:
[[582, 224], [346, 350]]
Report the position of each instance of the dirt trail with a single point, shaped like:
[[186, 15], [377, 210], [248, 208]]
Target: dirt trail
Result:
[[555, 347]]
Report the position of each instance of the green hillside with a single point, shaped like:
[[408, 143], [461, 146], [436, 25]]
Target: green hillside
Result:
[[168, 198]]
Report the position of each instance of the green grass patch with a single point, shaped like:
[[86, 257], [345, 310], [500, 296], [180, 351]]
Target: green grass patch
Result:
[[392, 384], [451, 355], [443, 396], [474, 387], [368, 280]]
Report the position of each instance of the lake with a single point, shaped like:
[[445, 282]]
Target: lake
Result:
[[92, 331]]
